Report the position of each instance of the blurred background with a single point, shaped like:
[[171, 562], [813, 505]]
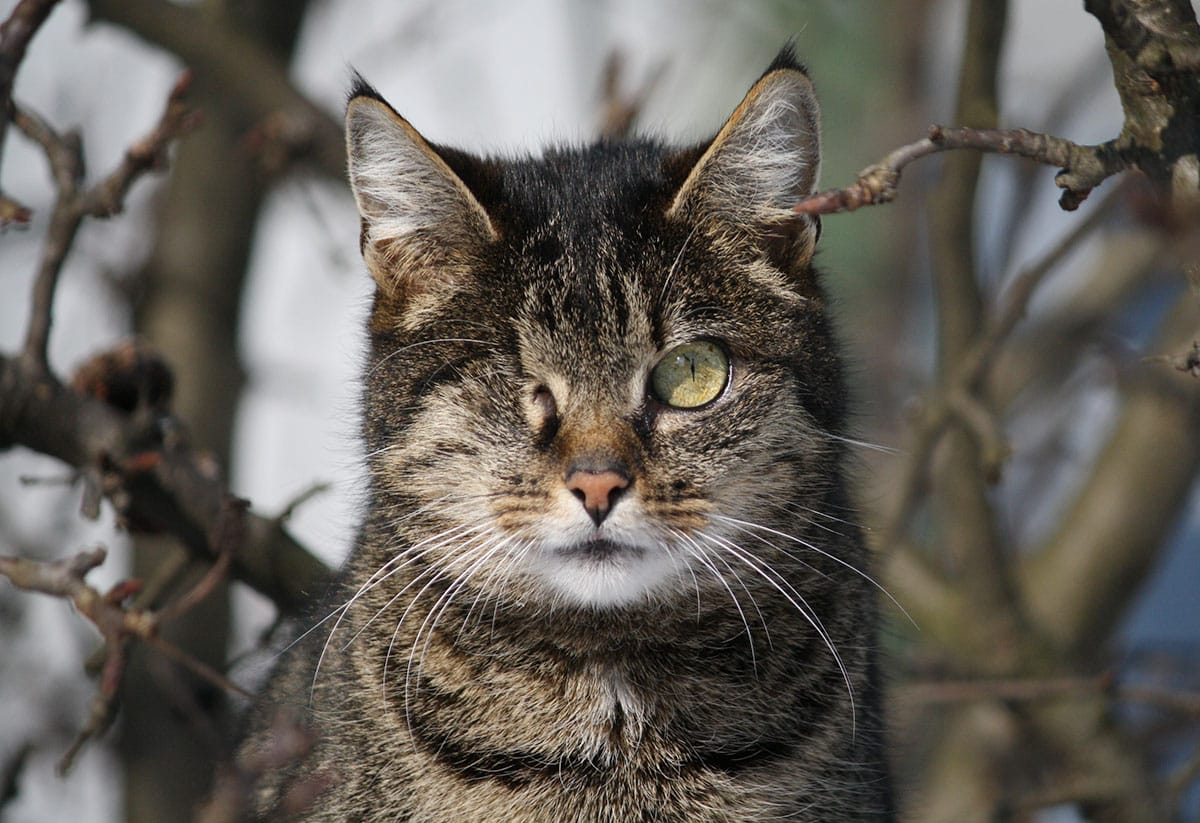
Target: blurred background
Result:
[[241, 266]]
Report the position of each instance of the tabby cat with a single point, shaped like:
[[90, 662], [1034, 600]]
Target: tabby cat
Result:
[[607, 571]]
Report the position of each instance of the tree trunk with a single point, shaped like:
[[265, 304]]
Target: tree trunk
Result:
[[190, 310]]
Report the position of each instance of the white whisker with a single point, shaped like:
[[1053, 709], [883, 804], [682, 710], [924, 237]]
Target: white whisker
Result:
[[746, 526], [778, 582], [403, 349]]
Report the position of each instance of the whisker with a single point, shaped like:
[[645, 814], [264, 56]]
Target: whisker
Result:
[[487, 551], [408, 556], [746, 526], [675, 264], [403, 349], [412, 554], [702, 556], [862, 444], [479, 554], [485, 587], [439, 572], [778, 582]]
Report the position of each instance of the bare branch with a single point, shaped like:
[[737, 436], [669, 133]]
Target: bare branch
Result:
[[1052, 688], [66, 166], [1079, 583], [15, 34], [619, 108], [227, 538], [967, 536], [120, 625], [102, 200], [149, 154], [10, 773], [1082, 167], [315, 490], [1187, 362], [1154, 48], [154, 485], [254, 81], [231, 799]]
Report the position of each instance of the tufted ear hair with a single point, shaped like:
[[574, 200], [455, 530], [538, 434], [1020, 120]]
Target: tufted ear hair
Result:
[[417, 213], [764, 160]]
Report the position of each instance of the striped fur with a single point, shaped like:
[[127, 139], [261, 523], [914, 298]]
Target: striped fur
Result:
[[492, 653]]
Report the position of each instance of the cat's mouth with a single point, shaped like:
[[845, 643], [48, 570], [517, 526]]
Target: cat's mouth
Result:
[[602, 572], [597, 549]]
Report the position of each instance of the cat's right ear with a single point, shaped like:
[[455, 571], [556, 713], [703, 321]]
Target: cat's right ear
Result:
[[417, 214], [764, 160]]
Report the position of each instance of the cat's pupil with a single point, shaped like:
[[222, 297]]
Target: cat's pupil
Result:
[[690, 375]]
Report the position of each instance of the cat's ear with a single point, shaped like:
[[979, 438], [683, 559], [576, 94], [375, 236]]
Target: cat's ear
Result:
[[417, 214], [764, 160]]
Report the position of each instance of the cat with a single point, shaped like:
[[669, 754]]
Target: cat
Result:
[[607, 570]]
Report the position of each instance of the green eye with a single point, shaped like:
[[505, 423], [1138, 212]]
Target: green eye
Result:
[[690, 375]]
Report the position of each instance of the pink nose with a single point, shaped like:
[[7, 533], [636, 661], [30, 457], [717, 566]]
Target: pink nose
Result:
[[597, 490]]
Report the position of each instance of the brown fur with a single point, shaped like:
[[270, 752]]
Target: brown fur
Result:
[[704, 654]]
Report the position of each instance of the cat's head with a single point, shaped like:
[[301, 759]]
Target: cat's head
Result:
[[603, 376]]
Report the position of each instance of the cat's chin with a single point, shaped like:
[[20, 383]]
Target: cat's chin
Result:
[[606, 574]]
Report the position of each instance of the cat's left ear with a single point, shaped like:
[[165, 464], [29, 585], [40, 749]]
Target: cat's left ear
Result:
[[764, 160], [421, 223]]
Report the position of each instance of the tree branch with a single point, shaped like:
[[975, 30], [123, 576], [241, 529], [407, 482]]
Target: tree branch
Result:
[[1079, 583], [619, 109], [73, 204], [256, 83], [1154, 48], [1082, 168], [153, 484], [967, 536], [117, 624], [15, 34], [149, 154]]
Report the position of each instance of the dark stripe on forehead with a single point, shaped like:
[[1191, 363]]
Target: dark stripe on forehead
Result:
[[620, 300]]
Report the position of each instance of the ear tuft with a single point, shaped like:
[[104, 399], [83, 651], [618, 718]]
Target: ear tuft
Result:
[[786, 59], [359, 87], [765, 159], [417, 214]]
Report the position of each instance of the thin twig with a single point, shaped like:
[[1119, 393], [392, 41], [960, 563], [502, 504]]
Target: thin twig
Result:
[[66, 167], [15, 33], [149, 154], [253, 81], [971, 371], [226, 540], [1082, 167], [178, 492], [73, 203], [1016, 298], [118, 624], [299, 500], [10, 773], [197, 667]]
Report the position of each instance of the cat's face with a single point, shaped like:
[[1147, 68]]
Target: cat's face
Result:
[[602, 377]]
